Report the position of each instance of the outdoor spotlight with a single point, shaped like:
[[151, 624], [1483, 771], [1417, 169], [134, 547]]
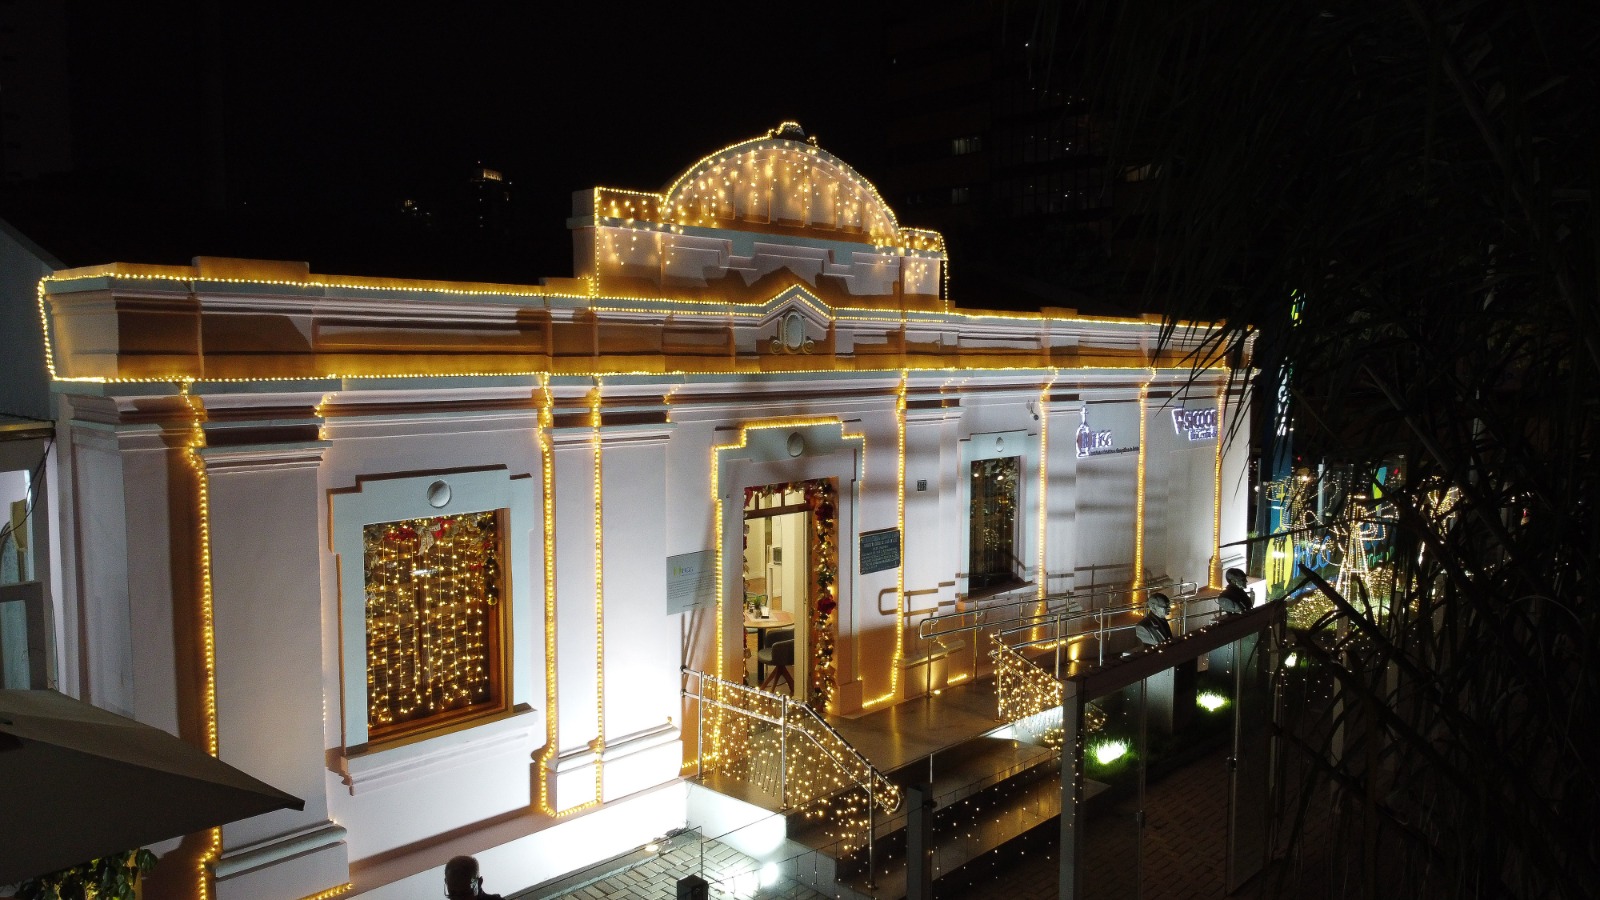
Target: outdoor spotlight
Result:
[[1292, 660], [1210, 701], [1108, 752]]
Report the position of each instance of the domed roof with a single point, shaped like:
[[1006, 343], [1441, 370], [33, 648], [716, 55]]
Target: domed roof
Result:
[[779, 181]]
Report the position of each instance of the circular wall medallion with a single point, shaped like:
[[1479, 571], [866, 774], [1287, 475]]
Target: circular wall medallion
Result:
[[797, 444], [999, 445], [439, 494]]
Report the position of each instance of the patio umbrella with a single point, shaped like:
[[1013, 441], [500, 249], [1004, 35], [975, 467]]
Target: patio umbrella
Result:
[[78, 783]]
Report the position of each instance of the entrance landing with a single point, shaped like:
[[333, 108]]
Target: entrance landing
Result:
[[891, 737]]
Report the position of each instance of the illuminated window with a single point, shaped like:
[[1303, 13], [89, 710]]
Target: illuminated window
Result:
[[961, 146], [993, 542], [434, 619]]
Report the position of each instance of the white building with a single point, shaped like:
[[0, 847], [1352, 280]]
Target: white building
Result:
[[424, 554]]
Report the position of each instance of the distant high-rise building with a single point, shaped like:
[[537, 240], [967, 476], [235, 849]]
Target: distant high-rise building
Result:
[[491, 196], [990, 141]]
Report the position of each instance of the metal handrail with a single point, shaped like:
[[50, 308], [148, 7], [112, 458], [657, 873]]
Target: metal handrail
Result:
[[1182, 591], [982, 615], [1056, 606]]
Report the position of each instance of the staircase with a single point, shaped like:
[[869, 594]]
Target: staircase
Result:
[[990, 787]]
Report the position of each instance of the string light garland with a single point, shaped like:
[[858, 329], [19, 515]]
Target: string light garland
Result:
[[208, 634], [599, 744], [547, 468], [1032, 698], [1138, 509], [900, 525], [893, 317]]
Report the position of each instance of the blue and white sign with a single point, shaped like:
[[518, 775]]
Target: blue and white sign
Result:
[[1195, 424]]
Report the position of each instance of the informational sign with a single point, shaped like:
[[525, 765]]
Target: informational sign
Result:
[[880, 550], [691, 582], [1195, 424]]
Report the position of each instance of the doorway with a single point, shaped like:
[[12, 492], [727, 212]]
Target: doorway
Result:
[[777, 533]]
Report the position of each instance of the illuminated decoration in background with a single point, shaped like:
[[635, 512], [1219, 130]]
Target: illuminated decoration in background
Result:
[[334, 891], [1360, 528], [820, 498], [992, 540], [433, 590], [208, 631], [1211, 701]]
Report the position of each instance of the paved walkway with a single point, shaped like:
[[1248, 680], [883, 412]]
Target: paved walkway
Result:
[[730, 873]]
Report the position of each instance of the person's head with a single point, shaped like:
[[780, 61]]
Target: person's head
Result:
[[1235, 577], [1158, 604], [461, 879]]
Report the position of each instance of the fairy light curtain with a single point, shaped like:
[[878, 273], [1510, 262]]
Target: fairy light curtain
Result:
[[433, 590]]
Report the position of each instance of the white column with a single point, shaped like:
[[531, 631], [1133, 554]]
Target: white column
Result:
[[644, 746], [1061, 496], [572, 768], [267, 613]]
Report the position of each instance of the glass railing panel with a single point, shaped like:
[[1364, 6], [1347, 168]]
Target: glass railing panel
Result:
[[1114, 751]]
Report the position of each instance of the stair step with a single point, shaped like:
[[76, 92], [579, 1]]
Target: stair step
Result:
[[959, 773]]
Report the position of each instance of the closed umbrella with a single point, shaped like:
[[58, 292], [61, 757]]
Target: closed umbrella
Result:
[[78, 783]]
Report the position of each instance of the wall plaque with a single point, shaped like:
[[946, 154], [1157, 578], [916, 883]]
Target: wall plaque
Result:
[[880, 550]]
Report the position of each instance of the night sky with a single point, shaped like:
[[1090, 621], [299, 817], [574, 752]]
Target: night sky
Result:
[[288, 131]]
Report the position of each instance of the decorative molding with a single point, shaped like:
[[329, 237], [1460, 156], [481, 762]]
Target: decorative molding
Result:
[[248, 458], [264, 853], [516, 734]]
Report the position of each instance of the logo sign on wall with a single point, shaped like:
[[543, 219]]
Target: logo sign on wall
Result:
[[1093, 443], [1195, 424]]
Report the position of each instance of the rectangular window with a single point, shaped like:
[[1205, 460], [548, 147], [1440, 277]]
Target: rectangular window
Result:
[[992, 544], [434, 618], [961, 146]]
